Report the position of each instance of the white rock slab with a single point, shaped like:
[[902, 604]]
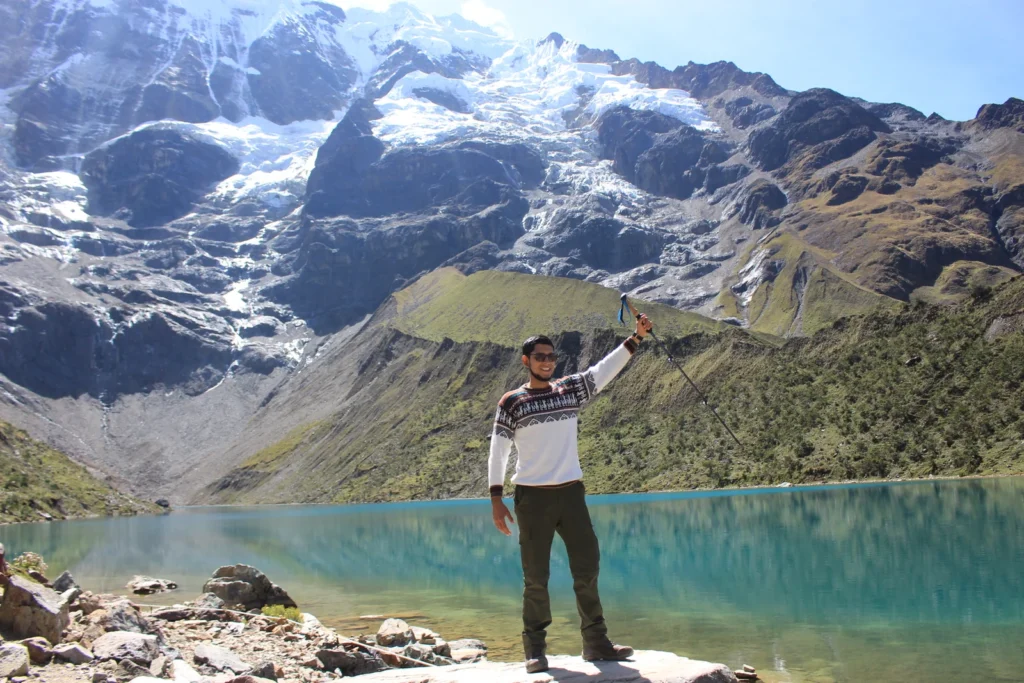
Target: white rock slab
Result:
[[648, 666]]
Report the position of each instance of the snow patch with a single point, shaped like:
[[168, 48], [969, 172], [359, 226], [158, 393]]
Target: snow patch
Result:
[[234, 299]]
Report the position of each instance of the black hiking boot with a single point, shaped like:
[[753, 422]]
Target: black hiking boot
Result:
[[536, 660], [606, 650]]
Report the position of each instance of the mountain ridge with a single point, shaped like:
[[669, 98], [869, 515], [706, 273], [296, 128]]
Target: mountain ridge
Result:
[[135, 286]]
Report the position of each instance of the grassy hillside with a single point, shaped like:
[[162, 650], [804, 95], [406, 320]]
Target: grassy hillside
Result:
[[912, 391], [505, 308], [35, 478]]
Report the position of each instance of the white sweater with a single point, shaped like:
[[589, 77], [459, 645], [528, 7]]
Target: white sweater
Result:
[[542, 424]]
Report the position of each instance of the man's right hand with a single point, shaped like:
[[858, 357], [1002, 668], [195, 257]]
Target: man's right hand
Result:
[[500, 513]]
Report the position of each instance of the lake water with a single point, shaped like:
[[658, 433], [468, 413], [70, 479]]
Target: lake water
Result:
[[885, 582]]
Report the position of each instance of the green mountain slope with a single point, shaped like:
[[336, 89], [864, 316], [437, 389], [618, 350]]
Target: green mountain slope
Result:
[[504, 308], [35, 478], [907, 391]]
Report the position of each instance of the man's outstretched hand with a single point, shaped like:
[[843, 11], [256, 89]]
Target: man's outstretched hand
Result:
[[500, 513]]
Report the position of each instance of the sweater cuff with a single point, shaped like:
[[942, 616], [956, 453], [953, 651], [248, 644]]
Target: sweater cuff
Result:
[[496, 491]]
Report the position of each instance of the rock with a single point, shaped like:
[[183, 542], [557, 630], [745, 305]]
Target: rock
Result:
[[394, 632], [38, 650], [1009, 114], [29, 609], [208, 601], [355, 663], [158, 667], [424, 635], [38, 576], [761, 199], [74, 653], [126, 668], [248, 679], [120, 615], [245, 587], [155, 174], [163, 502], [181, 672], [220, 659], [814, 117], [468, 644], [14, 660], [99, 677], [265, 669], [120, 645], [467, 655], [146, 585], [646, 665]]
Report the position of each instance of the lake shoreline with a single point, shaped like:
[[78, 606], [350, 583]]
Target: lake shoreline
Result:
[[727, 489]]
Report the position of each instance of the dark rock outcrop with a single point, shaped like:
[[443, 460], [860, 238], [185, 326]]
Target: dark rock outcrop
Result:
[[760, 202], [294, 76], [1009, 114], [834, 125], [660, 154], [154, 174], [700, 80]]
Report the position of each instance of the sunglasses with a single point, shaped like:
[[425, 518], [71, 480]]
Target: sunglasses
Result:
[[544, 357]]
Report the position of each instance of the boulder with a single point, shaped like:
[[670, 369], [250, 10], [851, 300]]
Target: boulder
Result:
[[74, 653], [14, 660], [38, 650], [208, 601], [355, 663], [265, 669], [181, 672], [394, 632], [220, 658], [245, 587], [147, 585], [646, 665], [29, 609], [120, 645]]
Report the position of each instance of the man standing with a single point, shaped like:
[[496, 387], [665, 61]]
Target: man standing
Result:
[[540, 419]]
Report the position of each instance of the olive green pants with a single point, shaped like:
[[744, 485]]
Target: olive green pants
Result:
[[540, 513]]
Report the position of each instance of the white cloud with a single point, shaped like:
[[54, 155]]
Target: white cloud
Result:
[[480, 12]]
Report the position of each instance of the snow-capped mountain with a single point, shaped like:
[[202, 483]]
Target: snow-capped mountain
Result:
[[199, 196]]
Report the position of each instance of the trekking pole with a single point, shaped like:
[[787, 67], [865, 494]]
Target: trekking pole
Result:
[[636, 314]]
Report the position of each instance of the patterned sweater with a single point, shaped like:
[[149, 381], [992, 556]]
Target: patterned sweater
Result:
[[542, 425]]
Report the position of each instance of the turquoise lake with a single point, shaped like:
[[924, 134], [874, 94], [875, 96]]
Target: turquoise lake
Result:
[[869, 582]]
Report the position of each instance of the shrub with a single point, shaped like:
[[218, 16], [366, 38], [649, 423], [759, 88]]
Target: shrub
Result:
[[280, 611], [26, 562]]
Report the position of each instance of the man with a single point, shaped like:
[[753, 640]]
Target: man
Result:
[[540, 419], [3, 567]]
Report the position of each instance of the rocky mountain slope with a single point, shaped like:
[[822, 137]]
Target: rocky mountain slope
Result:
[[38, 483], [199, 200], [927, 390]]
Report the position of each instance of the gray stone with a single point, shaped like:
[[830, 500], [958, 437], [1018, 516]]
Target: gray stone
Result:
[[220, 659], [74, 653], [147, 585], [181, 672], [14, 661], [209, 601], [64, 582], [30, 609], [245, 587], [646, 665], [38, 650], [120, 645], [467, 644], [264, 669], [394, 632]]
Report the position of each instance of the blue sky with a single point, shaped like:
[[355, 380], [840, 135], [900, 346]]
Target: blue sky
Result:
[[943, 56]]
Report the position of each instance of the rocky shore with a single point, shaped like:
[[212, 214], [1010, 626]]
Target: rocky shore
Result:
[[246, 629]]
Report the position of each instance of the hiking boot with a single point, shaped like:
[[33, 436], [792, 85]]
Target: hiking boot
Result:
[[536, 661], [605, 650]]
